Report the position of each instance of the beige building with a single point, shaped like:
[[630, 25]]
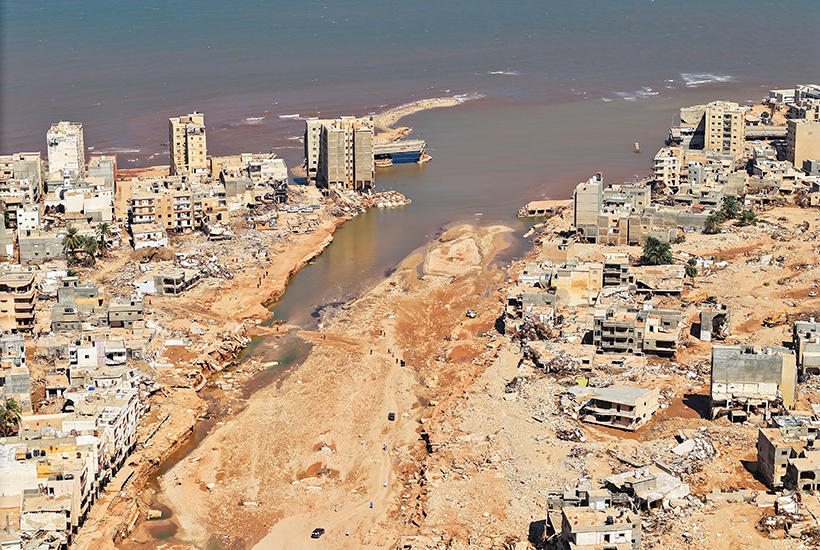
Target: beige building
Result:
[[339, 153], [587, 200], [17, 301], [802, 141], [186, 140], [622, 407], [586, 529], [725, 128], [66, 150], [176, 206], [667, 166], [751, 378]]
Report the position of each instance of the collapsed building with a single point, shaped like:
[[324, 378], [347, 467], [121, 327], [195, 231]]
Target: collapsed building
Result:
[[622, 407], [751, 378], [715, 322], [590, 529], [648, 487], [787, 457], [631, 330], [806, 340]]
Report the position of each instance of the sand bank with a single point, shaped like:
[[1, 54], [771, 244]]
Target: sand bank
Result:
[[388, 118]]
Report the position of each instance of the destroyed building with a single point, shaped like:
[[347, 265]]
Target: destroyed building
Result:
[[751, 378], [788, 457], [806, 340], [622, 407], [715, 322], [648, 487], [658, 279], [557, 252], [616, 270], [588, 529], [631, 330]]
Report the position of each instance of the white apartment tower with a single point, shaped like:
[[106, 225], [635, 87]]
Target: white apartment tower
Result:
[[725, 128], [66, 150], [186, 140]]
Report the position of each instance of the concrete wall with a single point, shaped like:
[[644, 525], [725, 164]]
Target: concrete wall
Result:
[[735, 372]]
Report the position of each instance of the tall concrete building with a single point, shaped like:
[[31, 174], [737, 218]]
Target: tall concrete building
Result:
[[186, 140], [339, 153], [802, 141], [725, 128], [66, 150], [587, 200]]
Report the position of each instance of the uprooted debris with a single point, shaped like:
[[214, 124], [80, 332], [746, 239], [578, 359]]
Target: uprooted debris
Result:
[[571, 434]]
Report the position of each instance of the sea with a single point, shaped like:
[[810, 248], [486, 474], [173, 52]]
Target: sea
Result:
[[553, 92]]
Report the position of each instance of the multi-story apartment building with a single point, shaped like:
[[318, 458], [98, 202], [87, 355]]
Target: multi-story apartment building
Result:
[[175, 205], [802, 141], [186, 140], [587, 200], [17, 301], [725, 128], [66, 150], [667, 166], [21, 180], [339, 153], [629, 330]]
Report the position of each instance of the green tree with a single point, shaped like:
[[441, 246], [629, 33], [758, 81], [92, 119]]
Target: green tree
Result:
[[712, 224], [89, 246], [656, 252], [747, 217], [10, 416], [731, 208], [103, 234], [691, 268], [72, 240]]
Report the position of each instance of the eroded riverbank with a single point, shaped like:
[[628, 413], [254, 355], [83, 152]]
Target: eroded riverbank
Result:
[[317, 442]]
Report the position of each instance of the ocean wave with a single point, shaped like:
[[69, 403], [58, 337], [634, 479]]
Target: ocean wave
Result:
[[295, 138], [468, 97], [507, 72], [254, 119], [296, 116], [693, 80], [637, 94]]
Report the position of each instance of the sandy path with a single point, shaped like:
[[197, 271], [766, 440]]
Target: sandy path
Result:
[[331, 416]]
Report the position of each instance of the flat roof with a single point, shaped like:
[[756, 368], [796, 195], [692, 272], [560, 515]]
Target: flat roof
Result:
[[613, 394]]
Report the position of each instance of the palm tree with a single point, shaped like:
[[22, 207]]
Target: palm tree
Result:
[[89, 246], [72, 241], [712, 224], [731, 208], [656, 252], [103, 233], [748, 217], [10, 415], [691, 269]]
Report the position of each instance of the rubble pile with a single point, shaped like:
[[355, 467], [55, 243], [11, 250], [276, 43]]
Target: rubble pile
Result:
[[386, 199]]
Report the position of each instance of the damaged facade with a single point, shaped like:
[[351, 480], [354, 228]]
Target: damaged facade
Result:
[[747, 378]]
